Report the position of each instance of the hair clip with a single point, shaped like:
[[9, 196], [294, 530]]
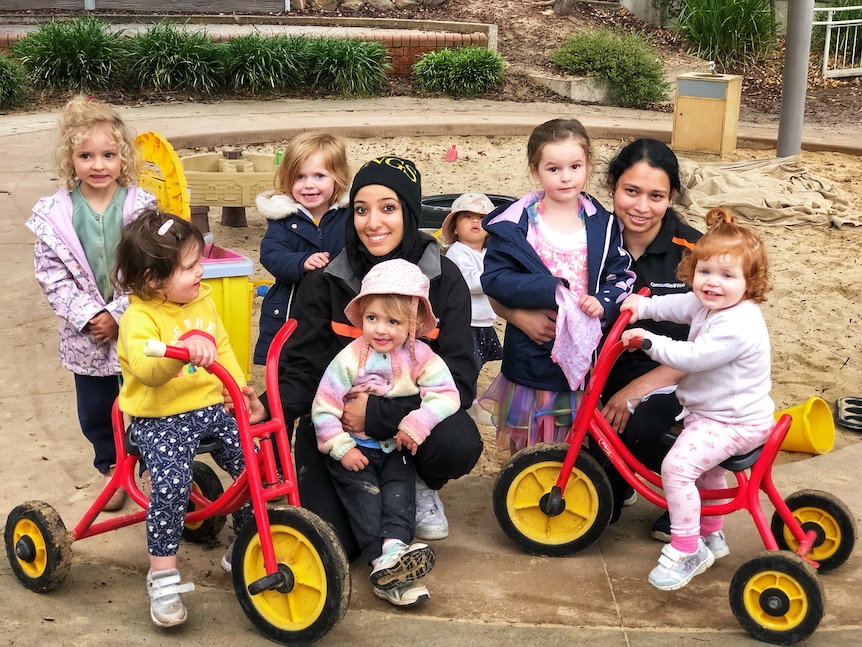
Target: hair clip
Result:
[[165, 226]]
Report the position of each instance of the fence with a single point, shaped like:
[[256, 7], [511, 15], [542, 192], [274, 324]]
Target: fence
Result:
[[842, 49]]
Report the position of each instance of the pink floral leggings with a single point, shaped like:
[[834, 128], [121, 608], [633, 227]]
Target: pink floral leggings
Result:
[[693, 463]]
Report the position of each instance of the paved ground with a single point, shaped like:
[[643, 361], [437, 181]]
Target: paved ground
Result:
[[484, 590]]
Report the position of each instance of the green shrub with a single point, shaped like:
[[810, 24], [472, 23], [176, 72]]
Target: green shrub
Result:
[[464, 71], [13, 83], [167, 58], [82, 54], [626, 61], [351, 67], [728, 32], [261, 65]]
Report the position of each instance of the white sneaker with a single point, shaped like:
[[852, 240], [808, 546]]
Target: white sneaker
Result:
[[404, 595], [166, 605], [676, 569], [401, 564], [227, 558], [717, 544], [431, 522]]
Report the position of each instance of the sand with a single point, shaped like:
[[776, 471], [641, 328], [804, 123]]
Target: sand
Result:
[[813, 311]]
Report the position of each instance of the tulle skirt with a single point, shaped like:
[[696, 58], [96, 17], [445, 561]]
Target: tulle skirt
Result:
[[526, 416]]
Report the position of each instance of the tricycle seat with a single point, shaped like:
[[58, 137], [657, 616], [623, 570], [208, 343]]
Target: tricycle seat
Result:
[[206, 447], [732, 464]]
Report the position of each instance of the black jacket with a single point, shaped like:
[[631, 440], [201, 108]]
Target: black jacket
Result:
[[323, 330]]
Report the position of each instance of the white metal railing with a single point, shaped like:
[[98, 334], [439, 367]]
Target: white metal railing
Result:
[[842, 50]]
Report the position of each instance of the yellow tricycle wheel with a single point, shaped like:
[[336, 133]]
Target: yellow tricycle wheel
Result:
[[831, 521], [522, 491], [316, 588], [38, 546], [776, 598], [206, 482]]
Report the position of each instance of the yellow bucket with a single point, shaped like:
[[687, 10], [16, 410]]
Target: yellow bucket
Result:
[[812, 430]]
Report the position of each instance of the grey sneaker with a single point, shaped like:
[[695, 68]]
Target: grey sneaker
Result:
[[676, 569], [717, 544], [166, 605], [401, 564], [431, 522], [403, 595]]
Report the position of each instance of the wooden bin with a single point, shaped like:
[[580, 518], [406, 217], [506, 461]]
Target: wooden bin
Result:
[[706, 112]]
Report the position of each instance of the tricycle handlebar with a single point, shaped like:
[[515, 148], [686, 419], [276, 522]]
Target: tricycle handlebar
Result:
[[155, 348]]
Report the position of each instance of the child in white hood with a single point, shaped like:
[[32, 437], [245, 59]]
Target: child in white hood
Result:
[[306, 215]]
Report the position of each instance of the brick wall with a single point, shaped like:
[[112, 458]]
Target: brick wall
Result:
[[405, 50]]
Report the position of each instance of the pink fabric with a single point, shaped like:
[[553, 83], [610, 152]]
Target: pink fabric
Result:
[[578, 334], [693, 463]]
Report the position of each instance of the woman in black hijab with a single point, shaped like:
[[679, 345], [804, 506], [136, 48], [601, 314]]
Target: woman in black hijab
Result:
[[386, 198]]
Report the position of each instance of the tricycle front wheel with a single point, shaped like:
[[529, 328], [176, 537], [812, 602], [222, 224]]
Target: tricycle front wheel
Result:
[[315, 583], [542, 521], [832, 522]]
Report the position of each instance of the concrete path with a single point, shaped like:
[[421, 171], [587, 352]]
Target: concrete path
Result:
[[485, 591]]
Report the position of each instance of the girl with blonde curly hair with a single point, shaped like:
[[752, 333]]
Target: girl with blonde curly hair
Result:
[[77, 230]]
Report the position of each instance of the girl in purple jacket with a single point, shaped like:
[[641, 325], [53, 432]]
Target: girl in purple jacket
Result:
[[77, 230]]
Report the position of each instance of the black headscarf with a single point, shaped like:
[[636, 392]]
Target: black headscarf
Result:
[[402, 176]]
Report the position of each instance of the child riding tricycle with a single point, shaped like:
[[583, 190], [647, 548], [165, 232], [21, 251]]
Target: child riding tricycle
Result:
[[555, 499], [290, 573]]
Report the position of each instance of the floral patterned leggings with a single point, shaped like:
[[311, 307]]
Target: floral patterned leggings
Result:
[[168, 447], [693, 463]]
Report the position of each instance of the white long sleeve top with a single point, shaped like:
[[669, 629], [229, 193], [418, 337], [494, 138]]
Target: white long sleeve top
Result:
[[471, 263], [726, 358]]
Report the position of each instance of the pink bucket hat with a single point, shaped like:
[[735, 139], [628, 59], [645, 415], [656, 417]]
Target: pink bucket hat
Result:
[[397, 277], [466, 202]]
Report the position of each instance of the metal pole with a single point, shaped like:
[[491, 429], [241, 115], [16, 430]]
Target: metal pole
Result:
[[800, 15], [89, 5]]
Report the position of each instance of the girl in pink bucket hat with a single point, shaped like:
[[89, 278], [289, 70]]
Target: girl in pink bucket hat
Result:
[[376, 479]]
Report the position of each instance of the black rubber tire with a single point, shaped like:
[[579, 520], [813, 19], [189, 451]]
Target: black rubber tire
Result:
[[308, 548], [528, 477], [38, 546], [777, 598], [829, 518], [207, 482]]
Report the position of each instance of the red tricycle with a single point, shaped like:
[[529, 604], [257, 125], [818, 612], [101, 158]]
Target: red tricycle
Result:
[[555, 499], [290, 573]]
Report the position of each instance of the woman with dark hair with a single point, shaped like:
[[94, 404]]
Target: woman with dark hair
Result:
[[386, 202], [643, 180]]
